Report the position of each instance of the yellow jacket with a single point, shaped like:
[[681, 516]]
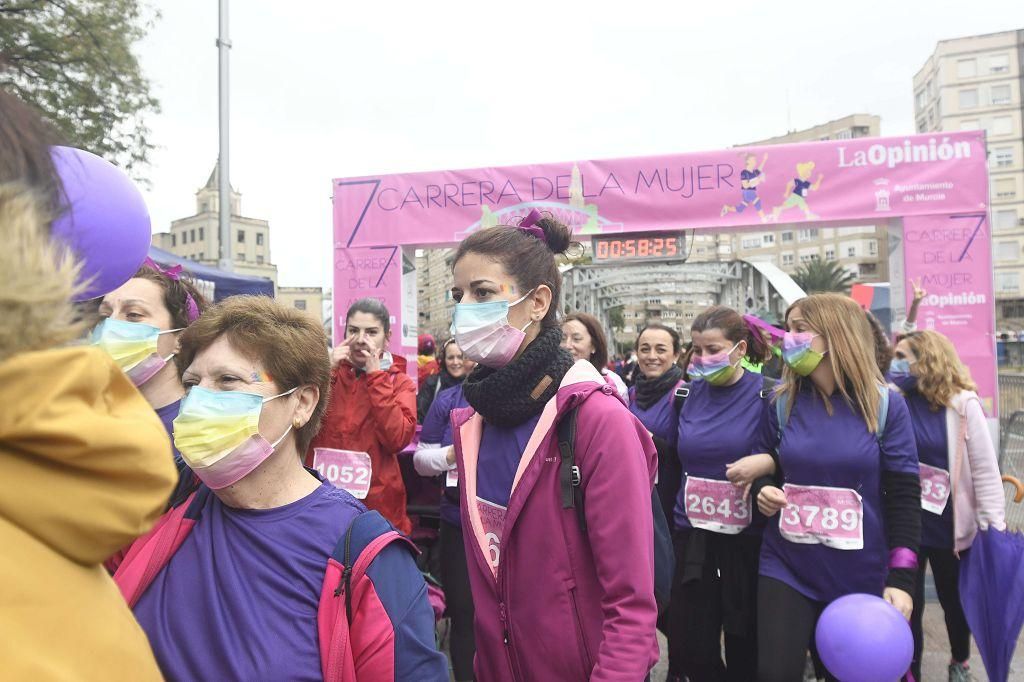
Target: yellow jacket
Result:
[[85, 468]]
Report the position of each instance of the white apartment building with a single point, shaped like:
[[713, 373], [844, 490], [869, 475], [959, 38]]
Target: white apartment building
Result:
[[974, 83]]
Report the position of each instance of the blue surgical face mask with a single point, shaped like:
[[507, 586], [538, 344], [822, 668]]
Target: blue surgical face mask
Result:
[[484, 334], [470, 316], [899, 366]]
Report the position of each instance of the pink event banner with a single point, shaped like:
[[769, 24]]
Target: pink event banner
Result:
[[952, 257], [843, 180]]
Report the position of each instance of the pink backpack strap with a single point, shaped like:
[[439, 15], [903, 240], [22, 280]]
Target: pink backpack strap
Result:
[[367, 536], [149, 554]]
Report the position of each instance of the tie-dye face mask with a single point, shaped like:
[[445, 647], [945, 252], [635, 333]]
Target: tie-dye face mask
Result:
[[715, 369], [132, 345], [798, 354], [218, 436]]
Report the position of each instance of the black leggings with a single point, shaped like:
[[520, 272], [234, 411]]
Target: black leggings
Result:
[[458, 601], [946, 573], [721, 598], [785, 631]]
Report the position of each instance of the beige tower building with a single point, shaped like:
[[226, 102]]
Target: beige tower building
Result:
[[974, 83], [861, 249], [197, 238], [433, 285]]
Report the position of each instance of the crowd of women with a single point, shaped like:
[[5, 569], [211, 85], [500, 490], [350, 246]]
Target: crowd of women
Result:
[[169, 512]]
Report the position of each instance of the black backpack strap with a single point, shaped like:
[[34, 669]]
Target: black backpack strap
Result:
[[680, 396], [363, 528], [569, 478], [767, 387]]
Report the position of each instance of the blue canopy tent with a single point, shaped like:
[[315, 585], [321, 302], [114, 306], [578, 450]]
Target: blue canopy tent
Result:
[[215, 284]]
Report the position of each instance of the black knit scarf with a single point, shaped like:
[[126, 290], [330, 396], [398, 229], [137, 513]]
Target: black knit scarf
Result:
[[650, 391], [512, 394]]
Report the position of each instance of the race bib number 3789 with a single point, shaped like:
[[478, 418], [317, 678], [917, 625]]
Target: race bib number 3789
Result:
[[833, 517]]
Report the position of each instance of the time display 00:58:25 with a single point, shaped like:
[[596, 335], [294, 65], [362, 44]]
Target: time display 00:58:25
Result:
[[639, 247]]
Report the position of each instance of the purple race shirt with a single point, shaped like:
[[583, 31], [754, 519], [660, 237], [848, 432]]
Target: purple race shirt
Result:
[[717, 425], [167, 414], [239, 599], [437, 428], [836, 451], [501, 448], [659, 418], [931, 438]]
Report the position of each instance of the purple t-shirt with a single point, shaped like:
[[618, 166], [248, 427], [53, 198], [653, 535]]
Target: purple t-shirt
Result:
[[930, 435], [437, 428], [501, 448], [836, 451], [717, 425], [239, 599], [167, 414], [660, 418]]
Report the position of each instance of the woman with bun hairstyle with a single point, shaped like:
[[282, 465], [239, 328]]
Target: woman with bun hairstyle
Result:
[[718, 537], [584, 338], [844, 509], [562, 591], [652, 400], [961, 490]]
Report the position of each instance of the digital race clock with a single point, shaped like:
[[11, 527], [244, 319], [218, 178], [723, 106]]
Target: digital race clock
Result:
[[639, 247]]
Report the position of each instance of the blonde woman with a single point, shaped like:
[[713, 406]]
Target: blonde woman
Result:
[[960, 486], [845, 508]]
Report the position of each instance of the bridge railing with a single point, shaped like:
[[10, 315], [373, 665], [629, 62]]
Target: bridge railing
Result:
[[1011, 441]]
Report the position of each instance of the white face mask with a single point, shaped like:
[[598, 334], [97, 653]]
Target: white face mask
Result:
[[484, 334]]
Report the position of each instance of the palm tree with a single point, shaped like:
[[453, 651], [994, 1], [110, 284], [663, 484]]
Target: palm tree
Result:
[[820, 276]]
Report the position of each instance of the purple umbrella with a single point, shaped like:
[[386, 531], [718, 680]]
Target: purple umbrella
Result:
[[992, 594]]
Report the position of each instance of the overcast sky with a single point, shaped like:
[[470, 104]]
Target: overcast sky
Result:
[[326, 89]]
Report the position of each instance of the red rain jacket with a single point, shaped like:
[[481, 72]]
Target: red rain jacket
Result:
[[376, 414]]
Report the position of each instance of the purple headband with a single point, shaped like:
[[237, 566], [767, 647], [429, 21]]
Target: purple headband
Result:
[[529, 225], [174, 272]]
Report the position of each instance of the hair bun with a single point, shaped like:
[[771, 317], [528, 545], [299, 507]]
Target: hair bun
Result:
[[557, 235]]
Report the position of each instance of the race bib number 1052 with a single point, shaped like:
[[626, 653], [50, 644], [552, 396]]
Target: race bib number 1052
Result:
[[345, 469]]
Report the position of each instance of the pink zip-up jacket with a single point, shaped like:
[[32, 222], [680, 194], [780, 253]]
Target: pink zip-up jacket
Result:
[[977, 489], [563, 604]]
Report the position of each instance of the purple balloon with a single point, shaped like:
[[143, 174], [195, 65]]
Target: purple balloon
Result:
[[104, 220], [863, 638]]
